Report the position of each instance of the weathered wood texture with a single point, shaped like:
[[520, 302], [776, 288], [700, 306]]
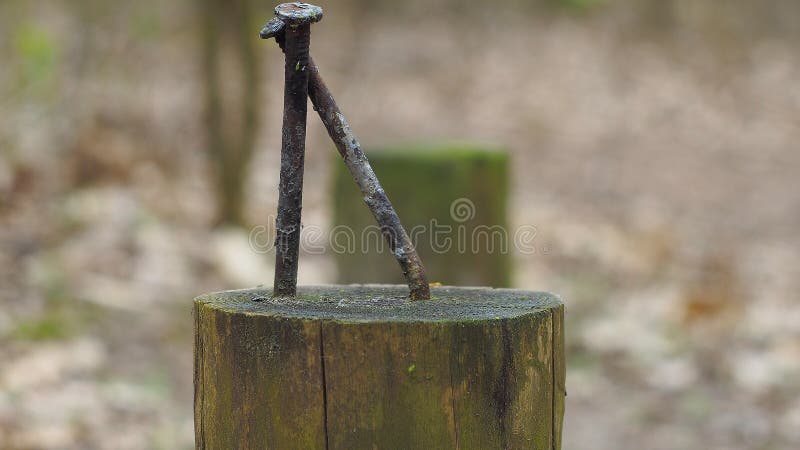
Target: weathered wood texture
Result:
[[423, 183], [352, 367]]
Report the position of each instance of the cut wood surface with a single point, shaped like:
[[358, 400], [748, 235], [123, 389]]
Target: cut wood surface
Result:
[[352, 367]]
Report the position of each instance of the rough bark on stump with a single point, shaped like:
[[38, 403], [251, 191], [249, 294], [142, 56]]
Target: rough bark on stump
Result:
[[423, 183], [350, 367]]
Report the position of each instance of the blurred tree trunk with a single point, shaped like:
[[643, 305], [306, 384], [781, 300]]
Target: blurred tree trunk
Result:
[[231, 74]]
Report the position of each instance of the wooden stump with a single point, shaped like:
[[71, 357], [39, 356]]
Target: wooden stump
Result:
[[458, 187], [361, 367]]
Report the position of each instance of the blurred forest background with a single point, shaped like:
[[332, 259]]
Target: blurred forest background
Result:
[[655, 146]]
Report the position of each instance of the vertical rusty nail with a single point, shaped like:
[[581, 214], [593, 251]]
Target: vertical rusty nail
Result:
[[298, 18]]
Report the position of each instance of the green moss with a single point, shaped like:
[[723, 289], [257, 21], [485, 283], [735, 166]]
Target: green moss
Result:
[[447, 152], [580, 6], [146, 25], [37, 51], [43, 329], [60, 320]]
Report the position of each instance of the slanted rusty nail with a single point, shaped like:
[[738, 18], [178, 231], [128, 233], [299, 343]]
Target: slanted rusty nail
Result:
[[298, 17], [356, 161]]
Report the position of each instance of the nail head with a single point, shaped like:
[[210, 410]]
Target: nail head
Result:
[[273, 28], [298, 13]]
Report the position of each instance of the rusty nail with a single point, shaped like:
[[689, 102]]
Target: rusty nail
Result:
[[374, 196], [298, 17]]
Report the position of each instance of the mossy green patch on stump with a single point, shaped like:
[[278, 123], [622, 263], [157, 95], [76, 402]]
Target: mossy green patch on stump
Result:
[[346, 367], [452, 202]]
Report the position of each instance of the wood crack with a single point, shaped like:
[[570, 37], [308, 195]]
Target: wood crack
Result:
[[324, 385], [453, 408]]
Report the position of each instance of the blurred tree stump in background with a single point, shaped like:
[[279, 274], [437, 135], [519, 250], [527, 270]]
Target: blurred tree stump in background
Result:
[[231, 88], [452, 200]]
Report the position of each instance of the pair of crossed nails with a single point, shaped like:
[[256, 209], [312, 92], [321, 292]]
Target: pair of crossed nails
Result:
[[350, 150]]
